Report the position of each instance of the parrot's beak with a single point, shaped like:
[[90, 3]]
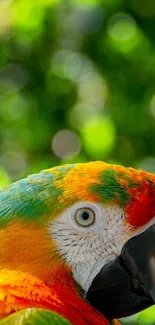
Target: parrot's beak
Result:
[[126, 285]]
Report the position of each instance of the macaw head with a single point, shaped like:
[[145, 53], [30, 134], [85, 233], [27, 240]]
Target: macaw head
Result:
[[94, 219]]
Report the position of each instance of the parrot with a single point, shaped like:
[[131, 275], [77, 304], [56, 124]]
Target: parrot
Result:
[[77, 244]]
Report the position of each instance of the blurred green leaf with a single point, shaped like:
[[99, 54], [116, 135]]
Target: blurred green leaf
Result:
[[34, 316], [146, 317], [4, 178]]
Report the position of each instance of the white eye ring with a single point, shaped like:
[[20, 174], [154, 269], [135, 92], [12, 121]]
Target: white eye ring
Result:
[[85, 217]]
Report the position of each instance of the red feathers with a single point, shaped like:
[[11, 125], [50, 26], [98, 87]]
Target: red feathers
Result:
[[21, 290], [142, 207]]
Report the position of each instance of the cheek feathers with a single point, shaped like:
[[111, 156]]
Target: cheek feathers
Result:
[[28, 248]]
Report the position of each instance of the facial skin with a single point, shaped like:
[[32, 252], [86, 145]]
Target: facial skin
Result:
[[87, 236]]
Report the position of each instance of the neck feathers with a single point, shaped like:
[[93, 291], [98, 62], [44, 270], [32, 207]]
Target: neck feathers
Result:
[[20, 290]]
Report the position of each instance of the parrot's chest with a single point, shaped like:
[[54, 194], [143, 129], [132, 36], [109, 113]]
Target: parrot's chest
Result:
[[20, 290]]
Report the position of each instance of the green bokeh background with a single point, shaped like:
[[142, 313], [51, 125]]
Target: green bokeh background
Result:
[[77, 83]]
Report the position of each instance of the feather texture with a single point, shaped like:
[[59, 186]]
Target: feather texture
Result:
[[19, 291]]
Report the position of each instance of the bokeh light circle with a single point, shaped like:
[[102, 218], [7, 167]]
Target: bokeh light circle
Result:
[[98, 136], [122, 27], [66, 143]]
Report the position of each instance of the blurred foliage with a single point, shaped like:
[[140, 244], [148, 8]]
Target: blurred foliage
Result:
[[77, 83]]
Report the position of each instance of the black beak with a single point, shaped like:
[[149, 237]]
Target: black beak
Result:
[[126, 285]]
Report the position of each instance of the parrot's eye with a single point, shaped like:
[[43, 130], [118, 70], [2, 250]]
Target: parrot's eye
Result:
[[85, 217]]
